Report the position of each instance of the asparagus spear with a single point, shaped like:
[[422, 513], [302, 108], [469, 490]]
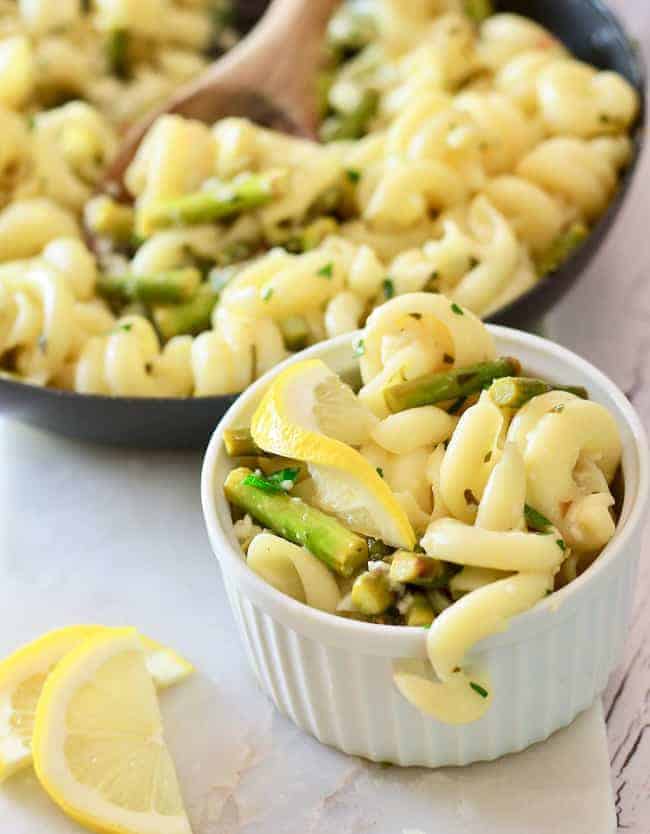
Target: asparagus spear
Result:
[[437, 388], [513, 392], [117, 53], [479, 10], [240, 442], [439, 602], [192, 317], [295, 332], [416, 569], [371, 593], [354, 124], [245, 193], [420, 612], [172, 287], [561, 249], [339, 548], [106, 217]]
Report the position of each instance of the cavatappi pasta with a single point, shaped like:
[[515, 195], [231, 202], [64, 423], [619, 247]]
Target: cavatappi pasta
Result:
[[462, 154], [450, 492]]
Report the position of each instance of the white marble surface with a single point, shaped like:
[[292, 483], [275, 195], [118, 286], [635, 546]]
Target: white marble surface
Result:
[[97, 535]]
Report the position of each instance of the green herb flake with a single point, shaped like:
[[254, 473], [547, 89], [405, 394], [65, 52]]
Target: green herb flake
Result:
[[388, 286], [448, 359], [353, 175], [267, 294], [380, 471], [535, 520], [480, 690], [561, 544], [31, 122], [470, 498], [262, 484], [127, 327], [326, 271], [488, 457], [360, 348], [456, 309], [427, 627], [473, 263], [276, 483], [416, 316]]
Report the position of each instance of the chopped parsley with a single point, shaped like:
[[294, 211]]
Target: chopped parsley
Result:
[[488, 457], [535, 520], [473, 263], [448, 359], [480, 690], [353, 175], [326, 271], [276, 483], [126, 327], [388, 286], [267, 294], [360, 348], [31, 122], [561, 544], [416, 316], [456, 309], [380, 472], [470, 498]]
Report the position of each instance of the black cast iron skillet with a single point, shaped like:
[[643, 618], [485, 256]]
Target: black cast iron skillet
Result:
[[587, 27]]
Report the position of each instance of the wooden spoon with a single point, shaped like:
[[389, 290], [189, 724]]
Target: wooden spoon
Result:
[[268, 77]]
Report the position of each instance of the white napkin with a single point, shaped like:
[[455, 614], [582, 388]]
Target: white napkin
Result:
[[98, 535]]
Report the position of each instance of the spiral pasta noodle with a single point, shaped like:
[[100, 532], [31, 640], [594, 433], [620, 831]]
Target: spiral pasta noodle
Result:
[[412, 335]]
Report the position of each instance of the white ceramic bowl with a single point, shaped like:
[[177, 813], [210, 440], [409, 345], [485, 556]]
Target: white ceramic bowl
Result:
[[333, 677]]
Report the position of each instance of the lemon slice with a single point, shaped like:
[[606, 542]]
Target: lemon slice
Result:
[[98, 743], [308, 414], [23, 674]]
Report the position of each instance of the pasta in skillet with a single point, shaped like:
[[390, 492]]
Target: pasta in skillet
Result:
[[427, 498], [462, 153]]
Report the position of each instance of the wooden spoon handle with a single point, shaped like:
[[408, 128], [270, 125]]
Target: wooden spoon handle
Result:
[[269, 77]]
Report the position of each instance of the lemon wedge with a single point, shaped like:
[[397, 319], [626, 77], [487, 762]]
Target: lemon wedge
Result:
[[310, 415], [23, 674], [98, 743]]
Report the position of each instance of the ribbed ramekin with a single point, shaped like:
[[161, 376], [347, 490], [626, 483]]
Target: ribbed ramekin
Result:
[[334, 677]]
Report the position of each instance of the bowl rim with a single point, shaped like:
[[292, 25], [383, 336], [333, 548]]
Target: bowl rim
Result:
[[386, 639]]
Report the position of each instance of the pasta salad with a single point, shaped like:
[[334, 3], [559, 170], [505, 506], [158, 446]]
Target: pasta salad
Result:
[[462, 153], [423, 497]]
